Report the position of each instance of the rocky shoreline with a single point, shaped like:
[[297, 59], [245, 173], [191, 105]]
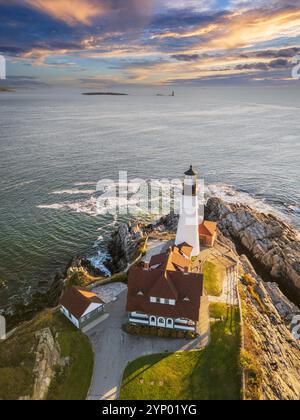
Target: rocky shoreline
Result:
[[270, 354], [266, 240]]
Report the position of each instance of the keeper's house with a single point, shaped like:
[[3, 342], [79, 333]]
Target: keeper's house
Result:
[[164, 293], [81, 306]]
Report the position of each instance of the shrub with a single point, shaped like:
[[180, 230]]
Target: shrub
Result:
[[253, 375], [157, 332]]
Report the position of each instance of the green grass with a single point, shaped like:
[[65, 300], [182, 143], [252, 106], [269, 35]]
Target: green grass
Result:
[[210, 374], [213, 279], [17, 359]]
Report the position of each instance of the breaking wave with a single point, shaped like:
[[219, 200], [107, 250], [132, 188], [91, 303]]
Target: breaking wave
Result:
[[109, 204], [232, 196]]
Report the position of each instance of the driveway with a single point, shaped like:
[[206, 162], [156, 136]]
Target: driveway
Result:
[[114, 349]]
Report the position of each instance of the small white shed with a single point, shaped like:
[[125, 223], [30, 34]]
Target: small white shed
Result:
[[81, 306]]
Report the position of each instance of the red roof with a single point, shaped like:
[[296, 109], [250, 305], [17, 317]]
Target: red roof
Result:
[[77, 300], [185, 288], [174, 260], [207, 228]]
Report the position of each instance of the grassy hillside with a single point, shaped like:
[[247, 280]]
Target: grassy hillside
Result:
[[17, 359], [209, 374]]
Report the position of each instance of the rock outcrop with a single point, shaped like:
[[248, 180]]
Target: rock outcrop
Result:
[[267, 240], [271, 356], [124, 245], [47, 360]]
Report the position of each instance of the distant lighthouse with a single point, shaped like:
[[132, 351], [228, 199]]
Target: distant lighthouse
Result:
[[188, 226]]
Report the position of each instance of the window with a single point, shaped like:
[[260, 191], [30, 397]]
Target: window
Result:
[[155, 300], [170, 323], [161, 322], [152, 320]]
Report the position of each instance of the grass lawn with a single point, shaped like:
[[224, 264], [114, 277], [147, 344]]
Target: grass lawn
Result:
[[209, 374], [17, 359], [213, 279]]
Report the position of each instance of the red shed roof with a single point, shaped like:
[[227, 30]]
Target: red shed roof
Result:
[[78, 299]]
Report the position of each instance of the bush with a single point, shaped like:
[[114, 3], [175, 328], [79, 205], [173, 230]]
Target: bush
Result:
[[253, 374], [158, 332]]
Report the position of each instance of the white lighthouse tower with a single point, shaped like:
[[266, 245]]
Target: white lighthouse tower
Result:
[[188, 226]]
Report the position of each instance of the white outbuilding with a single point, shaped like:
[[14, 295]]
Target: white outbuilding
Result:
[[81, 306]]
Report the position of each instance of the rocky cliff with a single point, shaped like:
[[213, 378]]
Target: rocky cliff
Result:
[[124, 245], [271, 355], [48, 358], [268, 241]]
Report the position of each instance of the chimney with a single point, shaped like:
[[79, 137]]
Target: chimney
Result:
[[186, 271], [146, 265]]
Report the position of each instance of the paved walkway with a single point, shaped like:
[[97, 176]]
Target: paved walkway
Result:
[[226, 260], [114, 349], [155, 247], [229, 294]]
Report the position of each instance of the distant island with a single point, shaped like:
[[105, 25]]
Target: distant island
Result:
[[104, 94], [4, 89], [161, 94]]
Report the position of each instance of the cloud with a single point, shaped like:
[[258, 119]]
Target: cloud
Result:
[[86, 12], [197, 5], [279, 63], [69, 11], [151, 41], [242, 29], [185, 57], [262, 4]]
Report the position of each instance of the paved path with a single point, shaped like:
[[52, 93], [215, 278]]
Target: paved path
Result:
[[227, 262], [114, 349], [155, 247], [229, 294]]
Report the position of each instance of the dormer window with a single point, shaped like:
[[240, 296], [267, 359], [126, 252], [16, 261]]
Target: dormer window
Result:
[[140, 293], [186, 299]]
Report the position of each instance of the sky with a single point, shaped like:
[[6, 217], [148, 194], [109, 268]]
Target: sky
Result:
[[149, 42]]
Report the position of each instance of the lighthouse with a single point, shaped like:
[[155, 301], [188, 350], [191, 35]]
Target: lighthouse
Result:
[[188, 226]]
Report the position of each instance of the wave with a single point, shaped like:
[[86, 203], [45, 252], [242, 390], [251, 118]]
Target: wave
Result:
[[88, 207], [232, 196], [84, 184], [127, 204], [101, 257], [16, 185], [72, 192]]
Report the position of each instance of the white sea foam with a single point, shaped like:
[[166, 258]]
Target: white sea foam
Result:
[[93, 206], [98, 261], [230, 195], [72, 192], [84, 184], [88, 207]]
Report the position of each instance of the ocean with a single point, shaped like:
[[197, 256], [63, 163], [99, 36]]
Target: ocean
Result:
[[55, 144]]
